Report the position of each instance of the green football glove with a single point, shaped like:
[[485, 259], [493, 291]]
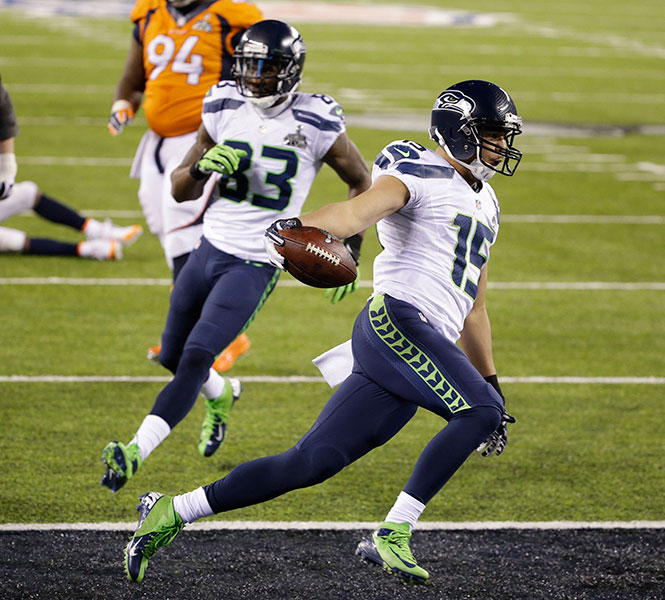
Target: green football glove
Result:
[[339, 293], [352, 244], [220, 159]]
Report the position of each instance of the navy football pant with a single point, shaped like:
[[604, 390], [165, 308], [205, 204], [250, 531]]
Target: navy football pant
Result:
[[215, 298], [401, 363]]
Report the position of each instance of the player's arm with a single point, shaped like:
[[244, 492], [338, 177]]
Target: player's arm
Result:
[[343, 219], [476, 341], [8, 131], [476, 337], [183, 184], [129, 90], [346, 160]]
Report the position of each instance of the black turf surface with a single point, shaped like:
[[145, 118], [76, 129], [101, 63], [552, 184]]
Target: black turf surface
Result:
[[219, 565]]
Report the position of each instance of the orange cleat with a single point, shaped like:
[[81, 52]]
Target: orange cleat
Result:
[[224, 361], [153, 353], [233, 351]]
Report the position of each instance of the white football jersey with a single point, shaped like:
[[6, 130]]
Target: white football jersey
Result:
[[285, 147], [435, 246]]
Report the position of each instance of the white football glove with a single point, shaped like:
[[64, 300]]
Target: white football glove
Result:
[[271, 239]]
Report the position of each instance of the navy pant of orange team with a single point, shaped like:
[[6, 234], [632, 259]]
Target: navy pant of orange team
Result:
[[400, 363]]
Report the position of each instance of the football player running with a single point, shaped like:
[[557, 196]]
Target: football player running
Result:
[[267, 142], [179, 48], [437, 218]]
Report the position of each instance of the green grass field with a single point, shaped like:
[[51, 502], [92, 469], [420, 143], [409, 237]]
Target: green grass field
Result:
[[584, 452]]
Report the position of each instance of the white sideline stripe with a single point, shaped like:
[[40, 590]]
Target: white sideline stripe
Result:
[[343, 525], [586, 219], [307, 379], [364, 283], [507, 218]]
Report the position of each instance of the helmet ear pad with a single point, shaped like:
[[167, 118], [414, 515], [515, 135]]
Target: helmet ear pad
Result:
[[458, 143], [455, 135]]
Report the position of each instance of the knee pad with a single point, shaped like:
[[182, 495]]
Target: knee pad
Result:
[[320, 463], [194, 363], [12, 240], [487, 417]]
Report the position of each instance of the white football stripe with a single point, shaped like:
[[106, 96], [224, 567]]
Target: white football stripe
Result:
[[305, 379], [343, 525], [364, 283]]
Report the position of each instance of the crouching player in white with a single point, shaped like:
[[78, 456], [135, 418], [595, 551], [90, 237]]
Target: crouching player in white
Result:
[[437, 218], [269, 142]]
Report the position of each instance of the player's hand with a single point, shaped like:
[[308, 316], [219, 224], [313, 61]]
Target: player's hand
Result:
[[220, 159], [7, 173], [339, 293], [352, 244], [122, 114], [497, 442], [272, 239]]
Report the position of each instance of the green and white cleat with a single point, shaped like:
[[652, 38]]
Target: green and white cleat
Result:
[[158, 525], [121, 463], [213, 430], [388, 547]]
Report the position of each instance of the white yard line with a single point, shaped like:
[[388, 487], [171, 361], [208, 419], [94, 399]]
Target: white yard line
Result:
[[321, 65], [505, 218], [568, 380], [365, 283], [343, 525]]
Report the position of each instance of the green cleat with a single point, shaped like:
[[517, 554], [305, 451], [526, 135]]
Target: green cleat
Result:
[[158, 525], [121, 463], [213, 430], [388, 546]]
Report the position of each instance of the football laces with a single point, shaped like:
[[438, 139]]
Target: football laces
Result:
[[322, 253]]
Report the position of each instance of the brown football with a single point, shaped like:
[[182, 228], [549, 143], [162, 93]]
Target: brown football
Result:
[[316, 257]]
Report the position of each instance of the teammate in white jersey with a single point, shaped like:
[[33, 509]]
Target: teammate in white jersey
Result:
[[268, 142], [437, 218]]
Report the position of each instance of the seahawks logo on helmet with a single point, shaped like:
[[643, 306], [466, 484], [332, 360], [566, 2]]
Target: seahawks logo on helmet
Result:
[[455, 101]]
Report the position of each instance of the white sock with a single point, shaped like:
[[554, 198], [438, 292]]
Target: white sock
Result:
[[406, 510], [152, 432], [214, 386], [192, 505]]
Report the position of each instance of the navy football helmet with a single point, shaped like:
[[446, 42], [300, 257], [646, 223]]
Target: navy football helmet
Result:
[[268, 62], [468, 113]]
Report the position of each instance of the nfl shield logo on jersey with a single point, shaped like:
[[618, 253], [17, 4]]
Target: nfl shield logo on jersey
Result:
[[203, 25], [297, 139]]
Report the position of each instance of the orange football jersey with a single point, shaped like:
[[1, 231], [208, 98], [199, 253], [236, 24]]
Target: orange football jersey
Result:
[[183, 56]]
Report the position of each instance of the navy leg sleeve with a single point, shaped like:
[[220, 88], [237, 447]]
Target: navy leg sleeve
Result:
[[448, 450], [56, 212], [359, 417], [178, 397], [214, 298], [47, 247]]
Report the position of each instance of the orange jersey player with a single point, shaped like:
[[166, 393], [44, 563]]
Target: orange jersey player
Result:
[[179, 49], [184, 55]]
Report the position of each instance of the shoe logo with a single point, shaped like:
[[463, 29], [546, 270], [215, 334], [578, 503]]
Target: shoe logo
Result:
[[217, 437], [408, 564], [133, 549]]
